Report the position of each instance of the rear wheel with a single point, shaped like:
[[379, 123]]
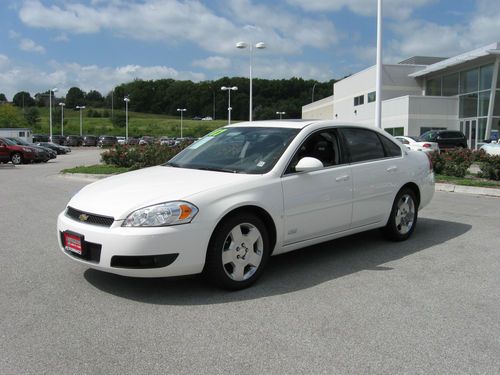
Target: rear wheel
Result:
[[16, 158], [403, 219], [238, 252]]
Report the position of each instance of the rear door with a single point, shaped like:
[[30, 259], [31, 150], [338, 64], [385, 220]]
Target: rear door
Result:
[[377, 171]]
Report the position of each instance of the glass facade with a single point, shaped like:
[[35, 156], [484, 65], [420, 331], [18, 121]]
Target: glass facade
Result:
[[473, 88], [395, 131]]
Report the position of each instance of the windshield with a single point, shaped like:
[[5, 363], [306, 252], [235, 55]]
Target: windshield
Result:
[[427, 136], [9, 142], [20, 141], [252, 150]]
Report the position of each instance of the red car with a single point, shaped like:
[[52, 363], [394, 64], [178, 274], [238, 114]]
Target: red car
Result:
[[9, 151]]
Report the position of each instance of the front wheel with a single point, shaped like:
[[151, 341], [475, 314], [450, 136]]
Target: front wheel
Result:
[[238, 252], [403, 218], [16, 158]]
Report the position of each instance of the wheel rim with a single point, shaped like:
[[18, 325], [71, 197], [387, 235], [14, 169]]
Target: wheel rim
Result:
[[16, 159], [405, 216], [242, 252]]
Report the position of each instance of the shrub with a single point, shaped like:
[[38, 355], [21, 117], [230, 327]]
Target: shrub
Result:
[[136, 157], [453, 163], [490, 167]]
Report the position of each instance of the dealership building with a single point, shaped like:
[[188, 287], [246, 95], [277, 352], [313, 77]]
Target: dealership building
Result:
[[423, 93]]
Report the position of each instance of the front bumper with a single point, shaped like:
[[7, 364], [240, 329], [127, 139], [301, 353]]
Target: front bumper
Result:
[[189, 241]]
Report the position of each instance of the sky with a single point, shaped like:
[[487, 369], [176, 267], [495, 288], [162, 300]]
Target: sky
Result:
[[98, 44]]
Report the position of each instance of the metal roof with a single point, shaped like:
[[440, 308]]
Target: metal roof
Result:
[[490, 49]]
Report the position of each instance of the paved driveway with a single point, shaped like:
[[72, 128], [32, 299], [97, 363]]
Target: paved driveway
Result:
[[355, 305]]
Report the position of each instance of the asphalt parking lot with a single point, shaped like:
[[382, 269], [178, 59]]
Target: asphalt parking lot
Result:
[[357, 305]]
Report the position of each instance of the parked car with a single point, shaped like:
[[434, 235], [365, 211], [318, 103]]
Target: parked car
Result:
[[145, 140], [40, 138], [245, 192], [74, 140], [107, 141], [197, 118], [121, 140], [207, 118], [89, 140], [45, 154], [446, 139], [17, 154], [60, 150], [57, 139], [133, 141], [412, 143], [492, 148], [167, 141]]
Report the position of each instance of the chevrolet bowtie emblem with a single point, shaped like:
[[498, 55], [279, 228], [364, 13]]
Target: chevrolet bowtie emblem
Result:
[[83, 217]]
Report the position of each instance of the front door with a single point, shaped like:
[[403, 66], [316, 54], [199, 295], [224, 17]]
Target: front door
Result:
[[4, 152]]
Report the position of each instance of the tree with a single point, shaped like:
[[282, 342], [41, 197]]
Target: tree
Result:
[[11, 117], [119, 120], [23, 99], [94, 99], [75, 97], [3, 98], [32, 116]]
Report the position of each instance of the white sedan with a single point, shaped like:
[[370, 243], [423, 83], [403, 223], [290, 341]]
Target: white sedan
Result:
[[491, 148], [413, 143], [245, 192]]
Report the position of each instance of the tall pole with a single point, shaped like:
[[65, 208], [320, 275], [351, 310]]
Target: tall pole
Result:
[[378, 84], [112, 104], [229, 109], [126, 100], [213, 117], [251, 85], [50, 115], [62, 117], [181, 110], [312, 95], [81, 107]]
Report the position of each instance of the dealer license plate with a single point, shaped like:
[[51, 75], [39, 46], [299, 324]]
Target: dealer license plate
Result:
[[73, 243]]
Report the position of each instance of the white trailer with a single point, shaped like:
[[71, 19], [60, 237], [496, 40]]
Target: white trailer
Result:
[[23, 133]]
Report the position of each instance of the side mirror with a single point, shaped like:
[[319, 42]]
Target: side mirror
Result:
[[308, 164]]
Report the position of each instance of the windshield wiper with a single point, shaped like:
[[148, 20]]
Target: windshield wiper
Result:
[[169, 164], [227, 170]]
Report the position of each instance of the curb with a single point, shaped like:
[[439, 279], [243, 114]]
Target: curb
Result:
[[450, 188], [84, 176]]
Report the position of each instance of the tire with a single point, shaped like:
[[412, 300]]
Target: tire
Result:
[[16, 158], [403, 218], [238, 252]]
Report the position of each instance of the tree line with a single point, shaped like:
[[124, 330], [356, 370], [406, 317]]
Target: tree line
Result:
[[165, 96]]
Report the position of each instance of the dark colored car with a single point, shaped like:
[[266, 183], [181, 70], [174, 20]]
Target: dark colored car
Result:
[[133, 141], [17, 154], [90, 140], [446, 139], [74, 140], [107, 141], [58, 149], [146, 140], [40, 138], [43, 154], [57, 139]]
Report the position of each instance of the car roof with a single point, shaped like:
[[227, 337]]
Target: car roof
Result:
[[299, 124]]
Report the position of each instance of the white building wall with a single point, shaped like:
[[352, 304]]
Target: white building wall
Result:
[[319, 110], [432, 111]]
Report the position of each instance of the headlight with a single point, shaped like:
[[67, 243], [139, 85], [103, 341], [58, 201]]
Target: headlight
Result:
[[25, 149], [163, 214]]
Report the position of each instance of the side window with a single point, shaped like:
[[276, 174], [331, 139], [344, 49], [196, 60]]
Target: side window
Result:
[[392, 150], [323, 145], [363, 144]]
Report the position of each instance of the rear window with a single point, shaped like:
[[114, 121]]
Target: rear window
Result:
[[363, 144], [391, 149]]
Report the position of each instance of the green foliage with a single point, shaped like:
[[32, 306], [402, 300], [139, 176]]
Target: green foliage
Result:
[[94, 98], [96, 169], [3, 98], [23, 99], [75, 97], [32, 116], [11, 117], [136, 157], [119, 120], [490, 167], [453, 162], [93, 113]]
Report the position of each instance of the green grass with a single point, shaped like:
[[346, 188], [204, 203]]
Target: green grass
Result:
[[467, 181], [96, 169], [139, 124]]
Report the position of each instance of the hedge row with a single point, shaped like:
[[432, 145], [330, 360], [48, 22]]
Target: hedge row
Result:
[[456, 163]]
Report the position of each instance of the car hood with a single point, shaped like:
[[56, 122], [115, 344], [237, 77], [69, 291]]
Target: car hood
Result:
[[119, 195]]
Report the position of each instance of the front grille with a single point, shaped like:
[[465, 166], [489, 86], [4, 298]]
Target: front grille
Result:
[[104, 221]]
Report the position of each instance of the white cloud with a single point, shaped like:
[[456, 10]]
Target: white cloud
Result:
[[16, 77], [30, 46], [61, 38], [213, 63], [14, 35], [175, 21], [397, 9]]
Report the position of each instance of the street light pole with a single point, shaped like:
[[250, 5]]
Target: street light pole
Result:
[[229, 109], [312, 96], [378, 83], [62, 117], [242, 45], [280, 114], [80, 107], [126, 100], [181, 110], [50, 111]]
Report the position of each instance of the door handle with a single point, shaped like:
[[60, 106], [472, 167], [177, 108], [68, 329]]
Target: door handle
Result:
[[342, 178], [392, 169]]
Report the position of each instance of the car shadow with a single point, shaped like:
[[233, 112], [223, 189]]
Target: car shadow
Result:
[[285, 273]]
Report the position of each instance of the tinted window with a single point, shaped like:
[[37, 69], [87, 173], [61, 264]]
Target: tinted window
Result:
[[363, 144], [391, 149], [322, 145]]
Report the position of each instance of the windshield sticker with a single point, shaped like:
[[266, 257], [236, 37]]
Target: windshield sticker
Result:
[[261, 164], [201, 142], [216, 132]]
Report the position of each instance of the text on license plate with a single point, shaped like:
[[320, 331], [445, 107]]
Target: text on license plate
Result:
[[73, 243]]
